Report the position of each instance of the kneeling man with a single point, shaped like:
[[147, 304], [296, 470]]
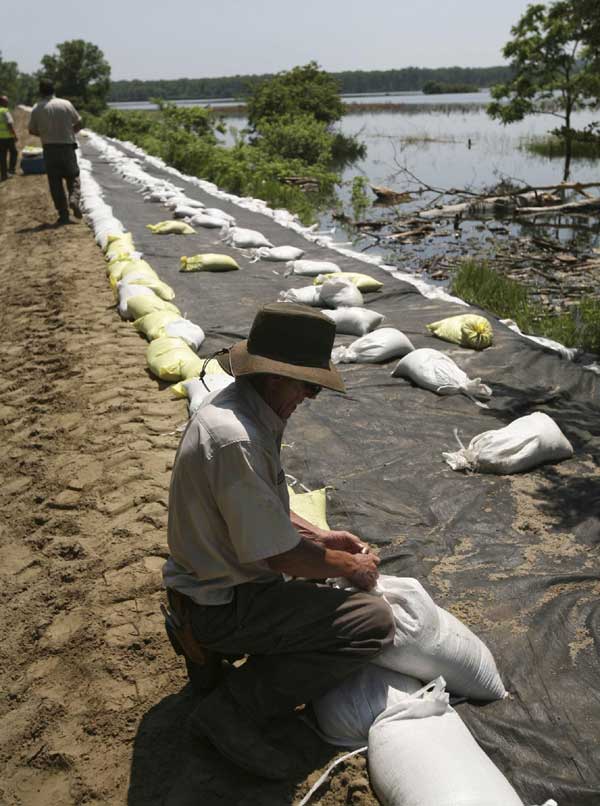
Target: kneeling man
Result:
[[232, 539]]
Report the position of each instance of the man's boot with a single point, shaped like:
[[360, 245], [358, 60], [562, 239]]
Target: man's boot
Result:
[[218, 718]]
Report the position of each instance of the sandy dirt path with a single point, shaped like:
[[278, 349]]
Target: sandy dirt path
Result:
[[95, 700]]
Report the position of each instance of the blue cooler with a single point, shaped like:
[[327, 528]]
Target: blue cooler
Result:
[[33, 163]]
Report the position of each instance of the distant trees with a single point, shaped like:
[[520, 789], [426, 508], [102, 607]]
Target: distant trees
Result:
[[555, 57], [440, 88], [349, 81], [80, 73], [19, 87]]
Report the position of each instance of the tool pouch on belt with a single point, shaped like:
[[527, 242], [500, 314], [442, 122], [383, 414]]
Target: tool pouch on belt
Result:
[[178, 623]]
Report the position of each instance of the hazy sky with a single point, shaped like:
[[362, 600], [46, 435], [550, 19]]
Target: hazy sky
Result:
[[196, 38]]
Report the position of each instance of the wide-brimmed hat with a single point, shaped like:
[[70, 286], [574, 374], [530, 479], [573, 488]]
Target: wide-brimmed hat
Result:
[[294, 341]]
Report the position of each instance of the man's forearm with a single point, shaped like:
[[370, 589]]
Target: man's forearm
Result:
[[304, 527], [311, 560]]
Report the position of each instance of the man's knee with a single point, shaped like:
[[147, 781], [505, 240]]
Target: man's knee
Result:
[[374, 622]]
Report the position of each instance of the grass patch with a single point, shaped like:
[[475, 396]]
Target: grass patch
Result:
[[554, 148], [579, 327]]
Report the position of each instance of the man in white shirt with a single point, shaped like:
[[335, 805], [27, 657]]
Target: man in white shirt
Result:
[[232, 538], [56, 122]]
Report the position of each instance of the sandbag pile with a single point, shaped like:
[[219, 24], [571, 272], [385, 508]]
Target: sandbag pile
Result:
[[419, 750]]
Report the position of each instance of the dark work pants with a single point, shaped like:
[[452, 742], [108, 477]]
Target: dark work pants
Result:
[[302, 639], [61, 164], [8, 156]]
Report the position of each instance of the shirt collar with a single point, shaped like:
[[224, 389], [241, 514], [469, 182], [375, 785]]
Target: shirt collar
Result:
[[260, 409]]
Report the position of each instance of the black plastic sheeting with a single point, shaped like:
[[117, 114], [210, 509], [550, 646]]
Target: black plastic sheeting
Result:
[[515, 557]]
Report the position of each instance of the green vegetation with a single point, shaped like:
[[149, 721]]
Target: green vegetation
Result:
[[360, 198], [80, 73], [476, 283], [350, 81], [441, 88], [555, 57], [302, 91], [247, 169], [288, 159], [19, 87], [585, 144]]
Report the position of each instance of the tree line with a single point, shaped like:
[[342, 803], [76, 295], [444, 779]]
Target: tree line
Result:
[[349, 82]]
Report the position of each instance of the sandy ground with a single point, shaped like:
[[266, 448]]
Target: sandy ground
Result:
[[95, 701]]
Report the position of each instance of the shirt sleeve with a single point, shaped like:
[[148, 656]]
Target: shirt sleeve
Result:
[[32, 122], [9, 119], [244, 485], [76, 117]]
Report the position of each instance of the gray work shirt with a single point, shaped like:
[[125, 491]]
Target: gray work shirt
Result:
[[53, 120], [228, 502]]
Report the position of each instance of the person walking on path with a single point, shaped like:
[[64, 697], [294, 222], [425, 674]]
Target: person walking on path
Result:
[[56, 122], [233, 541], [8, 141]]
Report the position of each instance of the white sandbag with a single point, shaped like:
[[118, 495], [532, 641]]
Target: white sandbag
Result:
[[524, 444], [433, 761], [339, 294], [192, 334], [279, 253], [183, 211], [429, 642], [430, 369], [197, 390], [308, 295], [346, 712], [214, 211], [312, 268], [565, 352], [354, 321], [244, 238], [380, 345], [127, 291], [206, 221]]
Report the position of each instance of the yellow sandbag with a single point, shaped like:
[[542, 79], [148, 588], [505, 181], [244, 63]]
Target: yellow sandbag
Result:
[[212, 368], [362, 281], [118, 244], [172, 360], [121, 269], [143, 305], [153, 325], [170, 228], [163, 290], [468, 330], [310, 506], [208, 262], [117, 263]]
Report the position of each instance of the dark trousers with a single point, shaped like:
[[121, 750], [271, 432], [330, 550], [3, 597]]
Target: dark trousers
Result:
[[8, 156], [61, 164], [302, 639]]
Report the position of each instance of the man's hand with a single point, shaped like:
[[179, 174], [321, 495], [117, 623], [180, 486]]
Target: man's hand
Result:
[[365, 573], [343, 541]]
